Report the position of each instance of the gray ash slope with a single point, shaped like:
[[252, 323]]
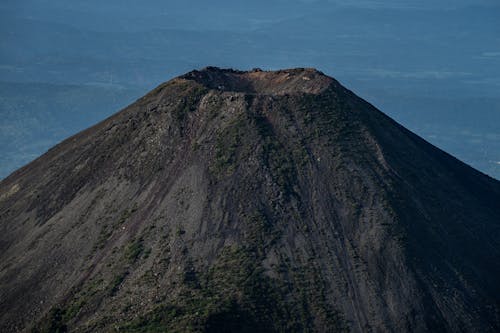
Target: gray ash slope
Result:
[[229, 201]]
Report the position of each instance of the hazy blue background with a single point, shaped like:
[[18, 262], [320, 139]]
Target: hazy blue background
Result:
[[434, 66]]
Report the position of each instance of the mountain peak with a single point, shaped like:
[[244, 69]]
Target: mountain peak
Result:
[[249, 201], [258, 81]]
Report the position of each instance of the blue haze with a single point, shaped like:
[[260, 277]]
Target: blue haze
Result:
[[434, 66]]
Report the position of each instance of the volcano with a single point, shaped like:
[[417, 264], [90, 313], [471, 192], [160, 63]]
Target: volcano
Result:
[[249, 201]]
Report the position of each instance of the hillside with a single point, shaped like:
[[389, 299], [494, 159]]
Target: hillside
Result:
[[230, 201]]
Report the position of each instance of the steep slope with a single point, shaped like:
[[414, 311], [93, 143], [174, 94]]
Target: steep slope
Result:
[[228, 201]]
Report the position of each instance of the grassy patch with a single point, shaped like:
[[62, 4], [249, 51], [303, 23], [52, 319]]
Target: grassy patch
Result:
[[191, 96], [134, 250], [108, 229], [275, 156], [228, 141], [53, 323], [116, 282], [160, 319]]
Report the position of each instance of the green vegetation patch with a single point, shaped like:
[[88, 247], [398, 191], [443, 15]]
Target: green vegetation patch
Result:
[[116, 282], [233, 296], [228, 141], [160, 319], [191, 95], [134, 250], [54, 323], [275, 156], [108, 229], [59, 317]]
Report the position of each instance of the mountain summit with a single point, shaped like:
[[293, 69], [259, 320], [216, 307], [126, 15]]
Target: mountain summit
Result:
[[259, 201], [299, 80]]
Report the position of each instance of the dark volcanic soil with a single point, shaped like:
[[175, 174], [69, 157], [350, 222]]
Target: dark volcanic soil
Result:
[[229, 201]]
